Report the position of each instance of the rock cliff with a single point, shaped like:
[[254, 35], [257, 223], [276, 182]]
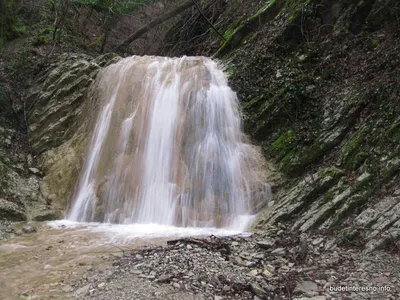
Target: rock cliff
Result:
[[319, 91]]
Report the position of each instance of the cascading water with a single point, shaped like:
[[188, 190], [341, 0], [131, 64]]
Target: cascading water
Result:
[[167, 148]]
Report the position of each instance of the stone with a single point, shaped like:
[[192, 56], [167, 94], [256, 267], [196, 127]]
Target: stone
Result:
[[318, 241], [67, 288], [250, 264], [253, 273], [83, 291], [257, 290], [34, 171], [45, 215], [101, 286], [28, 229], [306, 287], [302, 57], [311, 298], [267, 273], [11, 211], [135, 271], [266, 244], [164, 278], [279, 251]]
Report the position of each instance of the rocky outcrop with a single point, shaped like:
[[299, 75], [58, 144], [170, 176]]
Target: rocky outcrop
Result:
[[326, 119], [58, 116], [318, 90], [18, 186]]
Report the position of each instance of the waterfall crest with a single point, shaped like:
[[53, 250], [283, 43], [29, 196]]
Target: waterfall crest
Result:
[[167, 148]]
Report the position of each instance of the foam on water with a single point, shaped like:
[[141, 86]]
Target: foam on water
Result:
[[120, 233]]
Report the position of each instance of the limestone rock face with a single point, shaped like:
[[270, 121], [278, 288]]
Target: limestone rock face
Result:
[[55, 102], [17, 186], [326, 120], [11, 211], [58, 118]]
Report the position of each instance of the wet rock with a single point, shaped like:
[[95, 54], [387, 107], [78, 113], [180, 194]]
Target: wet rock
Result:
[[45, 215], [57, 116], [28, 229], [67, 288]]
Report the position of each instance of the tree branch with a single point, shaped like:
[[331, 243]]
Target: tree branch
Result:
[[154, 23], [208, 21]]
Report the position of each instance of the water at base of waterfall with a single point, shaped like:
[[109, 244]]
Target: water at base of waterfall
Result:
[[124, 233]]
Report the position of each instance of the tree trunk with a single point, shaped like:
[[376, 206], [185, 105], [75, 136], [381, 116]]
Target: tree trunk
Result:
[[154, 23]]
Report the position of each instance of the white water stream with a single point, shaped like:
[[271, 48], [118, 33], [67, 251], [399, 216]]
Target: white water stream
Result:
[[167, 150]]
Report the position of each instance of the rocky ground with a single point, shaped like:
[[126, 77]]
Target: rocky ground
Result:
[[283, 266]]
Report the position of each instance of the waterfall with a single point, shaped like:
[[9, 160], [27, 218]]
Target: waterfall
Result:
[[167, 148]]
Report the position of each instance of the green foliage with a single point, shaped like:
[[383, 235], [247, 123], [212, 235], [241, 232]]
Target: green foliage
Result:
[[43, 36], [11, 26], [283, 144]]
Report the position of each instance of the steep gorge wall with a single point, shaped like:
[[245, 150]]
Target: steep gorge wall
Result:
[[319, 88], [59, 114]]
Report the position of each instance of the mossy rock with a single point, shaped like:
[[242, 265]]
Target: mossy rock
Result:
[[352, 154], [248, 28]]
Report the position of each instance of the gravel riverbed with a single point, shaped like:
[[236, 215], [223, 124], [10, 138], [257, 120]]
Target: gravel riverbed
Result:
[[281, 265]]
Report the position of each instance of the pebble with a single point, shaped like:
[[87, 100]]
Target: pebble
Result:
[[176, 285], [67, 288], [279, 251], [28, 229]]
